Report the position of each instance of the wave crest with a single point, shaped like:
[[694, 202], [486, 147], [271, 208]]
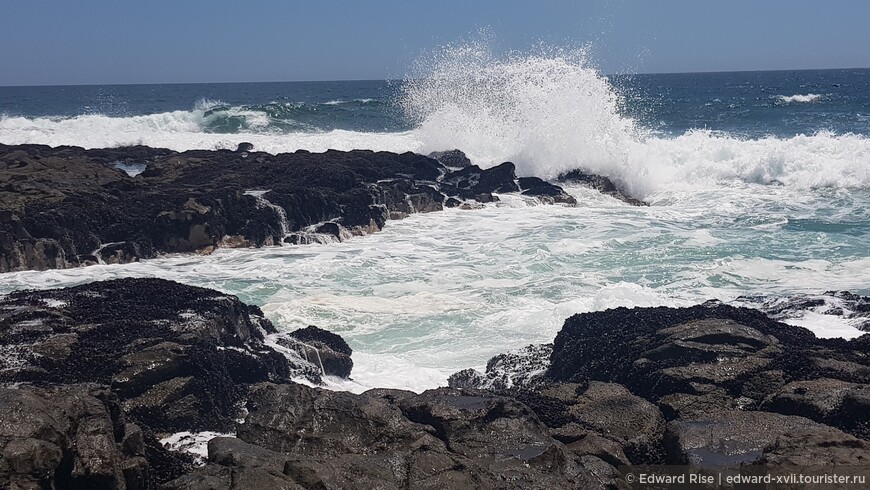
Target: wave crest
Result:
[[552, 112], [798, 98]]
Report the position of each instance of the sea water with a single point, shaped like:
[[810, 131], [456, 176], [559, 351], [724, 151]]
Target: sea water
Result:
[[758, 184]]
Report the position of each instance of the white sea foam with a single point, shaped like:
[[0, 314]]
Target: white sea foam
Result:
[[552, 112], [195, 443], [433, 294], [799, 98]]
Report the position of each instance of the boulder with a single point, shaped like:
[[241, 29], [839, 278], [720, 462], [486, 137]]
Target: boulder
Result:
[[324, 349], [600, 183], [451, 158]]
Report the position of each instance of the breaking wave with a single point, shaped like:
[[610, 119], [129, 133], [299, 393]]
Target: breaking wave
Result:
[[798, 98], [552, 112]]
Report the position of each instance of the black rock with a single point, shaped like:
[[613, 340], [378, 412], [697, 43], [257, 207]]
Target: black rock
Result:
[[451, 158], [443, 439], [68, 437], [243, 147], [533, 186], [176, 355], [521, 368], [321, 348], [600, 183]]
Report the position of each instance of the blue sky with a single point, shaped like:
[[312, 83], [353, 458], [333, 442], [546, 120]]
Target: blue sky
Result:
[[102, 41]]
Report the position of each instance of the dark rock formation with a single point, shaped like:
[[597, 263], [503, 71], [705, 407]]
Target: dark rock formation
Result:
[[390, 439], [843, 304], [718, 369], [322, 348], [711, 386], [451, 158], [176, 355], [90, 374], [600, 183], [71, 436], [514, 369], [66, 206]]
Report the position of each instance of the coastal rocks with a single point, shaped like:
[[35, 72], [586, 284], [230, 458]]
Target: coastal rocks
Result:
[[451, 158], [394, 439], [68, 437], [544, 191], [736, 437], [514, 369], [710, 385], [718, 369], [176, 355], [600, 183], [829, 401], [91, 375], [656, 351], [322, 348], [843, 304], [67, 207]]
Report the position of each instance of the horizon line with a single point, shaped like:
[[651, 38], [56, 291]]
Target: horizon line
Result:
[[401, 79]]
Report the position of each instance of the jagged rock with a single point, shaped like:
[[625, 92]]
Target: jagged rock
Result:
[[664, 350], [68, 437], [600, 183], [176, 355], [451, 158], [393, 439], [472, 181], [830, 401], [237, 464], [67, 206], [504, 371], [544, 191], [745, 437], [322, 348]]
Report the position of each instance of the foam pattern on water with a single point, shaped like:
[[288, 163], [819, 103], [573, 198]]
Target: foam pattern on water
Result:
[[437, 293]]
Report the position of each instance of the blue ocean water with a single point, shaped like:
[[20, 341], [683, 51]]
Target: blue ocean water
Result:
[[758, 184]]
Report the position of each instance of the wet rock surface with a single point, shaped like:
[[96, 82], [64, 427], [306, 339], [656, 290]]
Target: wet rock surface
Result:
[[441, 438], [600, 183], [844, 304], [176, 355], [67, 206], [322, 348], [710, 385]]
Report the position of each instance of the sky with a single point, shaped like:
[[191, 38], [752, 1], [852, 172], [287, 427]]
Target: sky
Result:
[[58, 42]]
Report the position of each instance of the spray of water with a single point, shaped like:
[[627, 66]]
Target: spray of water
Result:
[[551, 111], [547, 112]]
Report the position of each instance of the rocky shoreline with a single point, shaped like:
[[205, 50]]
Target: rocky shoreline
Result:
[[68, 207], [98, 382], [94, 376]]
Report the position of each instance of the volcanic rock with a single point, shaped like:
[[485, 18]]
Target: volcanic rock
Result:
[[176, 355], [67, 206]]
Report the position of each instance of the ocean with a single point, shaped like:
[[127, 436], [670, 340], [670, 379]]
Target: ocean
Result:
[[758, 184]]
